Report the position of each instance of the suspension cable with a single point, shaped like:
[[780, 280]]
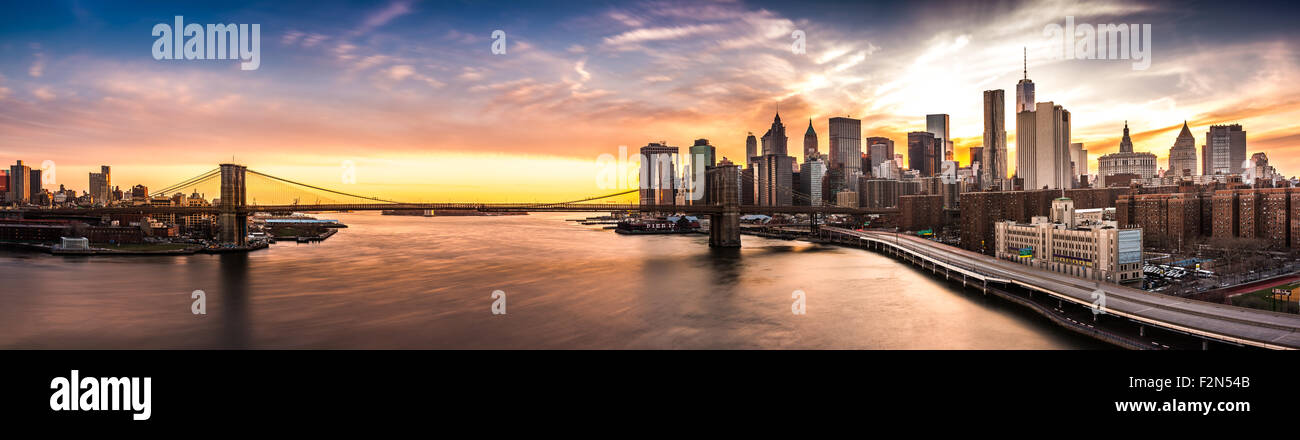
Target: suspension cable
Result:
[[322, 189]]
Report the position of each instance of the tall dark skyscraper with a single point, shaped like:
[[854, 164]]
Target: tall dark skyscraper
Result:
[[34, 191], [993, 160], [846, 150], [809, 143], [939, 125], [924, 153]]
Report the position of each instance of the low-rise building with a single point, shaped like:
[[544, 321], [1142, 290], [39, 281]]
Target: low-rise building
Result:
[[1065, 244]]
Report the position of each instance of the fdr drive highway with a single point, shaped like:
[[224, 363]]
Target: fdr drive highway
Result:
[[1217, 322]]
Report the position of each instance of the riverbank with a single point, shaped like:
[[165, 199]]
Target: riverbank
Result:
[[1117, 332], [134, 249]]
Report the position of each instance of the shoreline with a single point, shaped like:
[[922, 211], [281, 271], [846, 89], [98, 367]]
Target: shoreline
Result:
[[192, 250]]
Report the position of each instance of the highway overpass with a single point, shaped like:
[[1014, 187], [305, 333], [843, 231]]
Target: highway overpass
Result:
[[1219, 322]]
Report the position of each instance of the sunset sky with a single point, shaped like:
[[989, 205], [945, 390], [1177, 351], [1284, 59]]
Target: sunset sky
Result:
[[410, 92]]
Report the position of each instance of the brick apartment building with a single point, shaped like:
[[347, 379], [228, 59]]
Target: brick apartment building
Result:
[[920, 212]]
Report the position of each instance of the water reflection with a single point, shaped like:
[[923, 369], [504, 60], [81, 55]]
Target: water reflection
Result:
[[234, 300], [414, 282]]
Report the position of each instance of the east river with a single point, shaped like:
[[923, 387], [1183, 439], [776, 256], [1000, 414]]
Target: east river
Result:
[[416, 282]]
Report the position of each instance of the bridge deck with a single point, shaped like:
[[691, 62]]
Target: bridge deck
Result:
[[484, 207]]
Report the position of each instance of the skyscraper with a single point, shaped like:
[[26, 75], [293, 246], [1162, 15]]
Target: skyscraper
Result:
[[1043, 147], [776, 180], [751, 149], [20, 183], [810, 176], [1224, 149], [924, 153], [1182, 156], [939, 125], [880, 140], [846, 149], [809, 143], [993, 161], [1025, 91], [1079, 157], [703, 157], [658, 174], [34, 191], [880, 150], [774, 141]]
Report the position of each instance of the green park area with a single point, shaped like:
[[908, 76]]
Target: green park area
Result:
[[1263, 299]]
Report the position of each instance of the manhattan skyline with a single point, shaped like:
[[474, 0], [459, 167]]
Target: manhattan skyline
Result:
[[410, 92]]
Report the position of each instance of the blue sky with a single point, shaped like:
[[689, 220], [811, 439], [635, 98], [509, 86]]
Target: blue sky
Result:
[[405, 87]]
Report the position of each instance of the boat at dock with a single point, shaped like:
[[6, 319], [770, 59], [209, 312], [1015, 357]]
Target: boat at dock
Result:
[[662, 225]]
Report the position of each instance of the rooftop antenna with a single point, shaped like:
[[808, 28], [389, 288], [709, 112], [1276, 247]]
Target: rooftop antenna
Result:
[[1026, 62]]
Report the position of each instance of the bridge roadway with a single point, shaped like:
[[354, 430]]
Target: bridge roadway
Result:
[[485, 207], [1236, 325]]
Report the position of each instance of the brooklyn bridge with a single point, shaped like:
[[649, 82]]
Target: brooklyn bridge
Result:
[[236, 203], [1211, 322]]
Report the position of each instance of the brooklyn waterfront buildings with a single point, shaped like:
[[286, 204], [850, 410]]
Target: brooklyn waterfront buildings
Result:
[[101, 185], [20, 183]]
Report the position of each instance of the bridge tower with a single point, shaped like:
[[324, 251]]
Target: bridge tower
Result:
[[232, 214], [724, 190]]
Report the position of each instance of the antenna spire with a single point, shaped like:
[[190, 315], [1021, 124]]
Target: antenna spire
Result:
[[1026, 54]]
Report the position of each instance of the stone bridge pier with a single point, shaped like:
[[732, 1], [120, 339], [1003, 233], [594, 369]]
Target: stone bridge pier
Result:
[[232, 217], [724, 189]]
